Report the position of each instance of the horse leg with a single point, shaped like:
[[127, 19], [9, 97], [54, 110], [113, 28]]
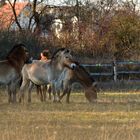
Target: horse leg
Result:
[[25, 83], [54, 92], [44, 92], [65, 88], [49, 91], [13, 91], [68, 95], [29, 91], [14, 96], [39, 92], [58, 93], [64, 93], [9, 94]]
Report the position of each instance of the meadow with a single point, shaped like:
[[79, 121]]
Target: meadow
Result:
[[115, 116]]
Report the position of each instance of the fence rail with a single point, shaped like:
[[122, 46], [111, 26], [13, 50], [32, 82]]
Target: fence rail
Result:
[[116, 69]]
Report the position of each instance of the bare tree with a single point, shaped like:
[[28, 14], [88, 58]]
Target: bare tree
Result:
[[15, 15], [34, 15]]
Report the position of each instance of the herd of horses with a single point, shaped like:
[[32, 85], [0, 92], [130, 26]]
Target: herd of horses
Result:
[[59, 73]]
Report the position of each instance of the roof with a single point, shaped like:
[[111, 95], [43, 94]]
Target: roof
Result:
[[7, 16]]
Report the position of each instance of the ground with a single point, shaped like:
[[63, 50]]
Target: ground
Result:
[[115, 116]]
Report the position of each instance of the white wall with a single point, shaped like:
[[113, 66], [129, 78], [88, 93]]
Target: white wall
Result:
[[24, 18]]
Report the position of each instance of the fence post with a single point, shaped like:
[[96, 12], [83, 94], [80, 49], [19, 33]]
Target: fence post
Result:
[[115, 70]]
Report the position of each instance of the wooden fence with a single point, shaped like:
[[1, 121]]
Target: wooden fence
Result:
[[116, 70]]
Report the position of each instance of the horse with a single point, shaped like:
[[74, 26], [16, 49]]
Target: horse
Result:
[[43, 73], [10, 69], [80, 75]]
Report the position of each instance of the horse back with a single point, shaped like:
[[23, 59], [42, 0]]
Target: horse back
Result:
[[5, 67], [36, 72]]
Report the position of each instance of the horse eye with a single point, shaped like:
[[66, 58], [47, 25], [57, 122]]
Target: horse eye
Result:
[[67, 51], [66, 57]]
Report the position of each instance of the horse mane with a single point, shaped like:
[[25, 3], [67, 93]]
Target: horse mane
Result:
[[54, 54], [13, 49], [84, 70], [16, 56]]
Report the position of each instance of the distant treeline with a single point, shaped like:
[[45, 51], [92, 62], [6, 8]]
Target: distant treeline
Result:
[[109, 33]]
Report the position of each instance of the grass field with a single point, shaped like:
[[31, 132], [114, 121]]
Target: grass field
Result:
[[115, 116]]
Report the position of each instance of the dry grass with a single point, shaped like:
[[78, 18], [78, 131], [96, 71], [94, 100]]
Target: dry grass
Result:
[[115, 116]]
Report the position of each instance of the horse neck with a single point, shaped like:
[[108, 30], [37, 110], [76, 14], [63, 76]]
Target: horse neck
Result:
[[83, 77], [58, 67], [16, 63]]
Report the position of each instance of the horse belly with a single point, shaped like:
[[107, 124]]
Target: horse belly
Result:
[[38, 75], [38, 81]]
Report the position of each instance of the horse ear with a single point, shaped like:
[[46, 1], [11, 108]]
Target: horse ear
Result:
[[67, 51], [94, 84]]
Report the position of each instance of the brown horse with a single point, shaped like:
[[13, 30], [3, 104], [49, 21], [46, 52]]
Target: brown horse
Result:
[[43, 73], [10, 69], [80, 75]]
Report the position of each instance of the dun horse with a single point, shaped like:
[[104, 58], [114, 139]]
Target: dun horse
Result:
[[10, 69], [43, 73], [80, 75]]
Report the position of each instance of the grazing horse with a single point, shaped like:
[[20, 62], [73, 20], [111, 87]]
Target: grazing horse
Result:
[[80, 75], [10, 69], [43, 73]]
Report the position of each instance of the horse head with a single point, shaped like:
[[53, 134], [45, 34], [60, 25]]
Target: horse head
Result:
[[65, 58], [87, 81], [91, 92]]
